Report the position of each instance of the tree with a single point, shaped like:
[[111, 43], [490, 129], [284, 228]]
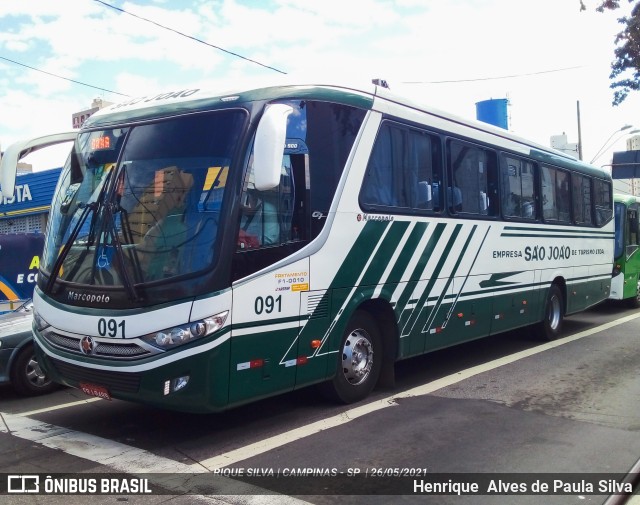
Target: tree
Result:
[[625, 69]]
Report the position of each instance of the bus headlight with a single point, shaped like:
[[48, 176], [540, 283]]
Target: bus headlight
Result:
[[39, 323], [178, 335]]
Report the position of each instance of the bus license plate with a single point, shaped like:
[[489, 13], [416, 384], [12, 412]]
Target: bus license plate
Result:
[[93, 390]]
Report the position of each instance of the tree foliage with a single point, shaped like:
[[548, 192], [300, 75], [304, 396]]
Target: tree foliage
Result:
[[625, 69]]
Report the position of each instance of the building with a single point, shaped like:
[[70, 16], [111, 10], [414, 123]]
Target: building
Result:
[[28, 210], [78, 118], [633, 143], [561, 143]]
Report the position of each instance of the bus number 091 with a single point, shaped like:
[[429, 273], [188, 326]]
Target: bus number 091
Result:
[[268, 304], [109, 327]]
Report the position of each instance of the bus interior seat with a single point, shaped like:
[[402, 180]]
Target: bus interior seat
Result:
[[454, 195], [484, 203], [425, 200]]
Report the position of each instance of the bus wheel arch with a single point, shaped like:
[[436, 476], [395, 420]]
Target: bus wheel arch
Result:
[[365, 356], [384, 316]]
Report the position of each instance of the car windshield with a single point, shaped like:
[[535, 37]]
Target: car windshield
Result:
[[141, 204]]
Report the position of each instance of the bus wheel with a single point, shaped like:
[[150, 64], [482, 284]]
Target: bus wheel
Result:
[[551, 325], [360, 360]]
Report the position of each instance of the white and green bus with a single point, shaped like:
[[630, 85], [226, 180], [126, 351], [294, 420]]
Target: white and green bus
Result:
[[206, 250], [625, 282]]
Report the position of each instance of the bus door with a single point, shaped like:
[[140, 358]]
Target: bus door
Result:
[[266, 306]]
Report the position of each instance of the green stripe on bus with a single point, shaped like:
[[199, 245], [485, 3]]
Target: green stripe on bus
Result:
[[416, 275], [415, 313]]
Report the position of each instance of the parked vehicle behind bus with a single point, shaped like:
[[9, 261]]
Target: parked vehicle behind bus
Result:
[[205, 250], [18, 363], [625, 284]]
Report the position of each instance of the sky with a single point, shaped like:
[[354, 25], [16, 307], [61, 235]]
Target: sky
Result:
[[545, 57]]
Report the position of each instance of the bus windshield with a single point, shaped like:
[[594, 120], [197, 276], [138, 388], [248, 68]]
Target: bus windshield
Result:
[[141, 204]]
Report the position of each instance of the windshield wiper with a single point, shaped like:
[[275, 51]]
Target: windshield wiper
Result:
[[115, 241], [86, 208]]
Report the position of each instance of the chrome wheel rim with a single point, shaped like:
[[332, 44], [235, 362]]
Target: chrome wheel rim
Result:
[[35, 375], [357, 357]]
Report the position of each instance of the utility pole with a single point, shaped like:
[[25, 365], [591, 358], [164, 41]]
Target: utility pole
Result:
[[579, 132]]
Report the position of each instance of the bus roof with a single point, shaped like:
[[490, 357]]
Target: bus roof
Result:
[[625, 198], [363, 94]]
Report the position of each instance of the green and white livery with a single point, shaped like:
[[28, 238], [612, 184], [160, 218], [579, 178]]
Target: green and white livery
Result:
[[208, 249], [625, 282]]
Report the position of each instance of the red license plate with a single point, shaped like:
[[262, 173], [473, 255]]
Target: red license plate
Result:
[[93, 390]]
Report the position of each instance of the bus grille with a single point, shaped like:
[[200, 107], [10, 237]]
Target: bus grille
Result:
[[114, 381], [102, 349]]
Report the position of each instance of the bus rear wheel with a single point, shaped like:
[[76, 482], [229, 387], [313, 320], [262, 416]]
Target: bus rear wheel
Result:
[[359, 360], [551, 325]]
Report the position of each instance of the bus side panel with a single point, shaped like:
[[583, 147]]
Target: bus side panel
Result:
[[434, 332], [600, 287], [265, 329], [589, 286], [470, 317], [630, 282], [578, 289], [314, 344], [408, 304], [514, 309], [630, 274]]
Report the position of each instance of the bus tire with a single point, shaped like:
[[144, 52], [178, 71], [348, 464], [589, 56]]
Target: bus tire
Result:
[[551, 324], [359, 360]]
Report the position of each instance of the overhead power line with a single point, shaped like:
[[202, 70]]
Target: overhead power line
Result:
[[61, 77], [495, 77], [196, 39]]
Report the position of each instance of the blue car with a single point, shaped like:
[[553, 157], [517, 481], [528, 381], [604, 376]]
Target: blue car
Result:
[[18, 364]]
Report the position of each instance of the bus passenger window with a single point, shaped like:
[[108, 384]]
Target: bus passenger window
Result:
[[555, 194], [472, 176], [404, 171], [633, 225], [602, 202], [582, 206], [518, 188]]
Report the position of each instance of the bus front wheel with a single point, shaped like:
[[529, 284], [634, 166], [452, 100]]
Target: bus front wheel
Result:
[[551, 324], [359, 360]]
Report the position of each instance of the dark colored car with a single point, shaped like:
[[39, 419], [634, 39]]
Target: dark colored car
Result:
[[18, 364]]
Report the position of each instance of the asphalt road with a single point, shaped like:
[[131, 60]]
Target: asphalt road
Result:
[[507, 406]]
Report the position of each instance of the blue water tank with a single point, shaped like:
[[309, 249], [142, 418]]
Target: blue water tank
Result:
[[494, 112]]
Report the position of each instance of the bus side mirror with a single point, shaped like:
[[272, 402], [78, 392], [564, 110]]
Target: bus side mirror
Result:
[[18, 150], [268, 148]]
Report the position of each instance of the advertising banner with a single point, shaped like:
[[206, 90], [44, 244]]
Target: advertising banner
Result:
[[19, 263]]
